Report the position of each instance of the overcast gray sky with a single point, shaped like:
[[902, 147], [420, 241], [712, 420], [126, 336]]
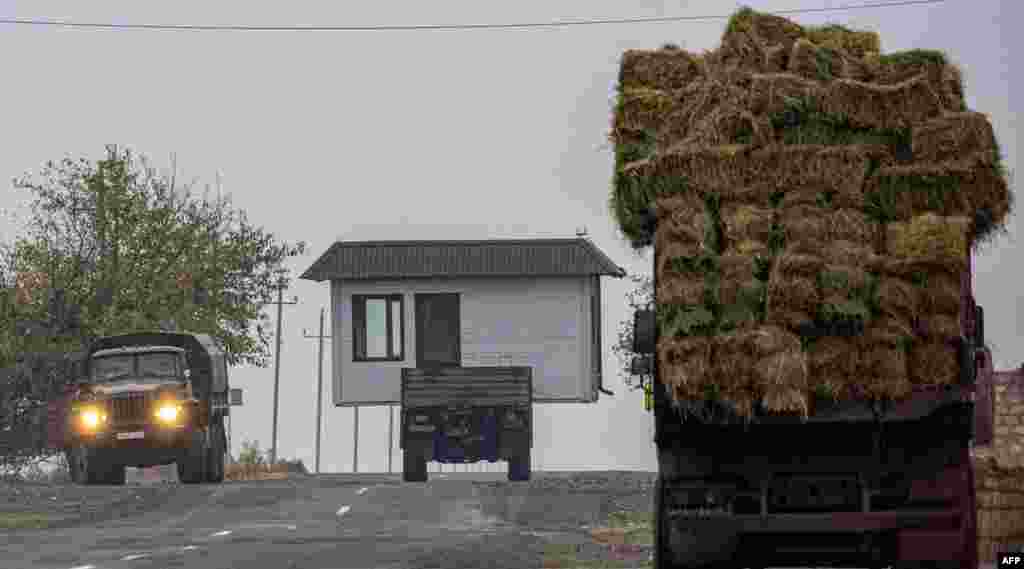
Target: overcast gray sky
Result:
[[423, 135]]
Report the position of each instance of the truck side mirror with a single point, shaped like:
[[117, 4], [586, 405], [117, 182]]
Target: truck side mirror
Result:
[[188, 374], [644, 332], [236, 397]]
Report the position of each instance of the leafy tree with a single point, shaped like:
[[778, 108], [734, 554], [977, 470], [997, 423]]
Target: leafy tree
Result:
[[640, 297], [164, 241], [118, 226]]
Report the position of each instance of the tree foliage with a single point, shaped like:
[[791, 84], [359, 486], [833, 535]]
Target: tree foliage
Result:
[[642, 296], [158, 229], [159, 236]]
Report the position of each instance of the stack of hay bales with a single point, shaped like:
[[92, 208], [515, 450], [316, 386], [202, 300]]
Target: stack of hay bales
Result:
[[797, 176]]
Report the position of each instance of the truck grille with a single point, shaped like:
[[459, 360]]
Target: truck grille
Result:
[[131, 409]]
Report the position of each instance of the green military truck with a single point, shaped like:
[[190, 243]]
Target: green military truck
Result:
[[146, 399]]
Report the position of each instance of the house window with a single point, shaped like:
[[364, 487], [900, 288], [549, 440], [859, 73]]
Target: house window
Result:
[[378, 328]]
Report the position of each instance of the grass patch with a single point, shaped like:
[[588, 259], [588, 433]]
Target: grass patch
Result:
[[25, 520], [914, 57], [841, 37], [741, 21], [802, 123]]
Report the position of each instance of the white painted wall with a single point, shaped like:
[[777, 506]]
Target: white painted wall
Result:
[[540, 322]]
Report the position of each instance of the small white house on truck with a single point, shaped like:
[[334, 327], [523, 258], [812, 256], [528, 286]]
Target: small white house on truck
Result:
[[465, 336]]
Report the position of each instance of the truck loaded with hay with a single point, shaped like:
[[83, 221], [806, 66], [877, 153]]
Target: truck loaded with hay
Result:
[[816, 348]]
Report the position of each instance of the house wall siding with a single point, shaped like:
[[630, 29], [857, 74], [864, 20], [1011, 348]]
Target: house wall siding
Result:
[[543, 322]]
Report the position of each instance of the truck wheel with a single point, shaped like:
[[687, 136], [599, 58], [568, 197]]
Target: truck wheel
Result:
[[85, 466], [215, 456], [414, 466], [519, 466], [192, 464], [114, 474]]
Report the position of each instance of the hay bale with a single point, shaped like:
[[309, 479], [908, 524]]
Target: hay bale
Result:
[[786, 400], [793, 295], [639, 109], [776, 59], [833, 363], [712, 95], [850, 225], [668, 249], [868, 105], [685, 365], [949, 189], [730, 124], [953, 136], [934, 363], [736, 273], [665, 69], [884, 372], [688, 290], [858, 44], [939, 327], [841, 281], [747, 227], [742, 174], [804, 62], [848, 253], [929, 65], [685, 219], [942, 293], [805, 226], [769, 92], [898, 298], [929, 237]]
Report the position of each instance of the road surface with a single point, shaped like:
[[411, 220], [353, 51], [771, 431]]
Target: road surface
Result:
[[349, 521]]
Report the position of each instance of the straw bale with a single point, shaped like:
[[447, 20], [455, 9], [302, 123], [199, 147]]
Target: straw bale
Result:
[[953, 136], [949, 189], [744, 223], [685, 363], [668, 248], [737, 273], [841, 280], [787, 369], [739, 173], [792, 300], [942, 294], [857, 43], [698, 101], [804, 224], [739, 50], [934, 363], [681, 289], [884, 371], [730, 124], [878, 106], [803, 60], [939, 326], [851, 225], [732, 363], [891, 328], [776, 59], [642, 108], [848, 253], [931, 66], [774, 30], [684, 218], [833, 362], [898, 298], [930, 237], [786, 400], [769, 91], [667, 69]]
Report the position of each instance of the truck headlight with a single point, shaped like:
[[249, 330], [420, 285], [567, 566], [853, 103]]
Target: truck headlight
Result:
[[92, 418], [168, 413]]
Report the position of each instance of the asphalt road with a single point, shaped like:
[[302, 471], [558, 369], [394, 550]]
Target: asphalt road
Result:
[[456, 520], [352, 521]]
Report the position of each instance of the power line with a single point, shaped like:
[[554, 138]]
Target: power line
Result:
[[440, 27]]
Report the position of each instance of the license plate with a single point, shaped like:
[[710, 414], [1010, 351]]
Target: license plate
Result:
[[135, 435]]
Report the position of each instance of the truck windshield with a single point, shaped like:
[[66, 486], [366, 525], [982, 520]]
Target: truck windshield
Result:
[[161, 365], [112, 367], [109, 368]]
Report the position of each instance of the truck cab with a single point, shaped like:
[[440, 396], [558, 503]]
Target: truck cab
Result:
[[145, 400]]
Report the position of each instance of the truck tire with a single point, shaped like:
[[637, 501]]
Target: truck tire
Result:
[[519, 466], [215, 456], [192, 465], [414, 466], [114, 474], [88, 467]]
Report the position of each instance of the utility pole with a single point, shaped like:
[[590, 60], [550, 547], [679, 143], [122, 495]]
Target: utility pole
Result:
[[319, 383], [277, 365]]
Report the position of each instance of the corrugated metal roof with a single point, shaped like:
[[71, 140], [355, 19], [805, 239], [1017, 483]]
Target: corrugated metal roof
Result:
[[355, 260]]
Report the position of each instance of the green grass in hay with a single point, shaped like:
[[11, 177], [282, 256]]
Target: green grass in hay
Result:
[[824, 59], [801, 122], [680, 320], [741, 20], [914, 57], [852, 309]]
